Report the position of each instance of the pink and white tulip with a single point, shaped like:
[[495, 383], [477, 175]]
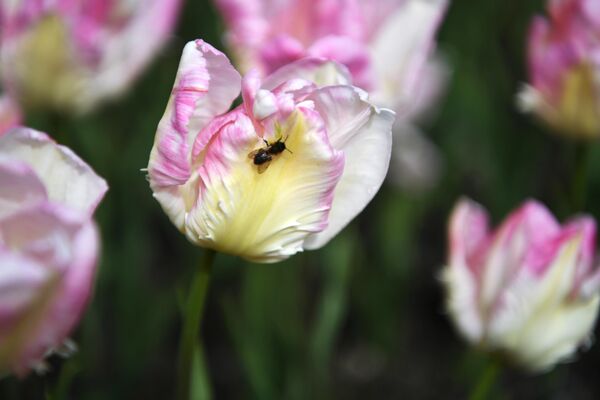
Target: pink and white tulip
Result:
[[387, 45], [48, 245], [72, 54], [202, 172], [527, 290], [564, 68]]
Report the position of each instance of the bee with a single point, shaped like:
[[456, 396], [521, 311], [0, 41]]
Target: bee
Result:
[[262, 157]]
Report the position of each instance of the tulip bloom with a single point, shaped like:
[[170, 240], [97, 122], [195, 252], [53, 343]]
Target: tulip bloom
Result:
[[72, 54], [387, 46], [284, 171], [528, 290], [564, 90], [48, 245]]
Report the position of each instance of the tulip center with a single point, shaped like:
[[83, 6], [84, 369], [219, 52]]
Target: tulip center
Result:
[[45, 70], [578, 105]]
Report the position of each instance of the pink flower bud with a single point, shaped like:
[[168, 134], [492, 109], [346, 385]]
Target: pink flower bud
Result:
[[285, 171], [564, 64], [48, 245], [528, 290]]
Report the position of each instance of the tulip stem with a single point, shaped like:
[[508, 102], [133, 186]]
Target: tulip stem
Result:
[[194, 309], [580, 173], [486, 381]]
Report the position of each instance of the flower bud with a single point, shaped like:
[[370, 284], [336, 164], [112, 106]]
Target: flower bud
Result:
[[526, 291], [563, 88]]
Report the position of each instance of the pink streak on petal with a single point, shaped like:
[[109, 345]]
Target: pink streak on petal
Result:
[[10, 114], [19, 187], [469, 235], [280, 51], [540, 231], [354, 55], [205, 86]]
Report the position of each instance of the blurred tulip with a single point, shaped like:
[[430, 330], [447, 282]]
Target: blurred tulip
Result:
[[208, 167], [10, 115], [564, 65], [387, 45], [527, 291], [69, 55], [48, 245]]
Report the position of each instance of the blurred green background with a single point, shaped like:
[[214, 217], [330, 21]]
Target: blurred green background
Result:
[[362, 318]]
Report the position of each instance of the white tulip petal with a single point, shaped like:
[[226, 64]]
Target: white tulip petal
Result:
[[364, 134], [67, 178]]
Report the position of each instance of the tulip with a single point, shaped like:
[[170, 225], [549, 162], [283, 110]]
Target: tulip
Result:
[[48, 245], [10, 115], [285, 171], [527, 291], [387, 45], [69, 55], [563, 89]]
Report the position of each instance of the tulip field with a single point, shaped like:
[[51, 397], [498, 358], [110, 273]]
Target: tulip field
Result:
[[299, 199]]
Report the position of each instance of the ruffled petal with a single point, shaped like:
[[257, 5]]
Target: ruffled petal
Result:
[[265, 217], [67, 178], [205, 86], [364, 134]]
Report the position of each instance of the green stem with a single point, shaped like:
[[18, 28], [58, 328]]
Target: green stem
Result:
[[579, 179], [194, 309], [486, 381]]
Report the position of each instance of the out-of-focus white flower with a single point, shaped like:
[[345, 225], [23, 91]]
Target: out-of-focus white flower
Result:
[[285, 171], [528, 290], [387, 45], [564, 68], [72, 54], [48, 245]]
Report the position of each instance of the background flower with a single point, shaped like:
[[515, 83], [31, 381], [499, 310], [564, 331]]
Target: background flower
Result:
[[48, 245], [387, 45], [72, 54], [528, 290], [564, 65], [204, 172]]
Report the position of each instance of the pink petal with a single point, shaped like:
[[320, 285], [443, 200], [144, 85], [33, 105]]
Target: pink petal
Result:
[[468, 235], [205, 86], [351, 53], [68, 179], [10, 115], [65, 243]]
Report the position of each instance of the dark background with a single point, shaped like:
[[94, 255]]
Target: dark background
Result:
[[362, 318]]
